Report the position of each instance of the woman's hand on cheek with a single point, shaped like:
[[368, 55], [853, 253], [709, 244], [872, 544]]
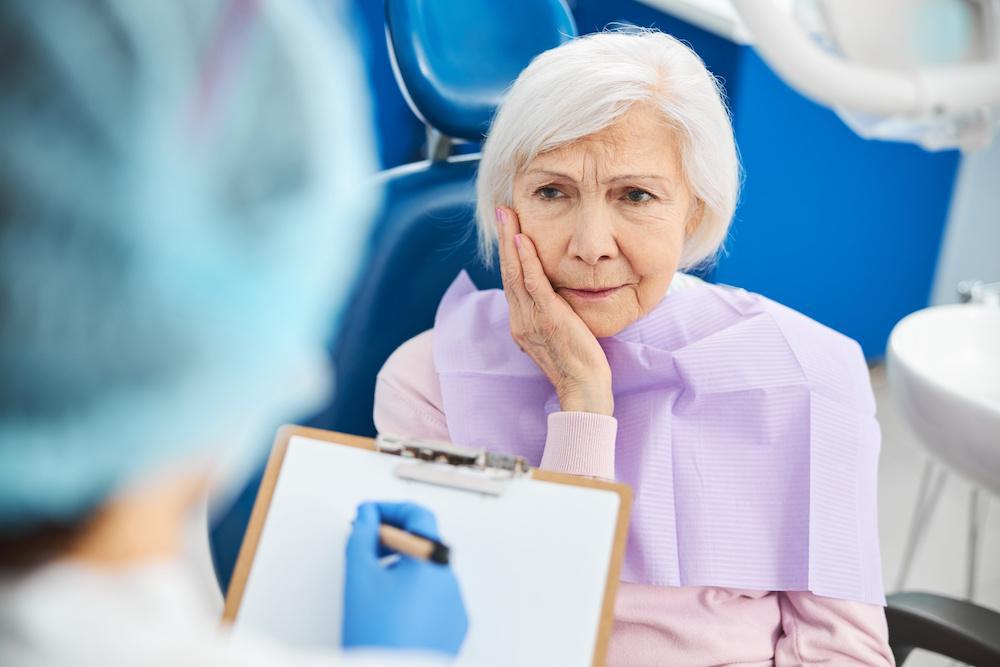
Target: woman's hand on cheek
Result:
[[547, 328]]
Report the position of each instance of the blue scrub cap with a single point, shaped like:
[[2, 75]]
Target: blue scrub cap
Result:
[[181, 215]]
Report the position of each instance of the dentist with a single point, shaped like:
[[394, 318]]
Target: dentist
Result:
[[180, 219]]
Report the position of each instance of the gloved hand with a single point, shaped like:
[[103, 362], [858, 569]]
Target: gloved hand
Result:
[[410, 604]]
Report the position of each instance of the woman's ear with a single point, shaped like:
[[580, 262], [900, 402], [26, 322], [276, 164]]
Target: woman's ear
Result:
[[695, 214]]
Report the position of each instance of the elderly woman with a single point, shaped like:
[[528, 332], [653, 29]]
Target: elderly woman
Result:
[[746, 430]]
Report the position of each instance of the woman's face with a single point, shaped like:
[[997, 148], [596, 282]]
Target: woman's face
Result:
[[608, 215]]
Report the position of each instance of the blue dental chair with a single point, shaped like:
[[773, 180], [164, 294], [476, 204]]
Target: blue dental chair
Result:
[[453, 60]]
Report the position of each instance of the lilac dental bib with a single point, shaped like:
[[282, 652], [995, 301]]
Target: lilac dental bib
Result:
[[745, 429]]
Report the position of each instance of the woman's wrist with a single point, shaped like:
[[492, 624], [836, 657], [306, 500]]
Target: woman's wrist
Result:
[[588, 398]]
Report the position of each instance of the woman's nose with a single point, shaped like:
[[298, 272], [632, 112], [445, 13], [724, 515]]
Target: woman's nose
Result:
[[593, 236]]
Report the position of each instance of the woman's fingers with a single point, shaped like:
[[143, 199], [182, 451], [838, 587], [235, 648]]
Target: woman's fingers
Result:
[[519, 301], [510, 264], [535, 282]]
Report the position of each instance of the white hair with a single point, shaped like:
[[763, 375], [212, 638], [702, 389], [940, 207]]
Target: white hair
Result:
[[584, 86]]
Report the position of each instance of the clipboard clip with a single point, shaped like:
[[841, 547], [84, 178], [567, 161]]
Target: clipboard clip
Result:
[[458, 467]]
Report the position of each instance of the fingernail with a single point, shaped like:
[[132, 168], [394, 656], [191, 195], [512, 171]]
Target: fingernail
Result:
[[517, 240], [500, 216]]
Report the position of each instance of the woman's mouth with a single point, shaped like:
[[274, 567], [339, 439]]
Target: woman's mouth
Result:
[[589, 294]]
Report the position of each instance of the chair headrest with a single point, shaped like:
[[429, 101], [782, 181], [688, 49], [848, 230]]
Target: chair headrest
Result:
[[454, 59]]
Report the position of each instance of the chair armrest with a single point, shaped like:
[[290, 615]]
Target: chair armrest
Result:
[[954, 628]]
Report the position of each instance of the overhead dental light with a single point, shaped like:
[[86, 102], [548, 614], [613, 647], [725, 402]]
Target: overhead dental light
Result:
[[920, 71]]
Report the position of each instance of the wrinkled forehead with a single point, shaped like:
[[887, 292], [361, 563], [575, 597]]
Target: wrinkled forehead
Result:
[[641, 141]]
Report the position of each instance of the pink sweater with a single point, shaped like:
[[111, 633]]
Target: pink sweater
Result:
[[657, 625]]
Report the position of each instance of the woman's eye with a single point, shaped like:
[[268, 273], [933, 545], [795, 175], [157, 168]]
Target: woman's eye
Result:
[[548, 192], [637, 196]]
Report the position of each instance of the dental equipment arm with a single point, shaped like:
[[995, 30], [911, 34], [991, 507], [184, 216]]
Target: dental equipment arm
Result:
[[921, 92]]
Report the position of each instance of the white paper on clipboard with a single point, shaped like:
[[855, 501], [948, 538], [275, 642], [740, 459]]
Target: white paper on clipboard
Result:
[[533, 563]]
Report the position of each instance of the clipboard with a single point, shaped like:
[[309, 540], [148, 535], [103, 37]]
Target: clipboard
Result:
[[539, 581]]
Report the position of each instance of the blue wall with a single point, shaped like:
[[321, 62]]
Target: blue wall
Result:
[[843, 229]]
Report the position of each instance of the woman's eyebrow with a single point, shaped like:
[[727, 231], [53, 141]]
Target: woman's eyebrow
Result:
[[613, 179], [547, 172], [639, 177]]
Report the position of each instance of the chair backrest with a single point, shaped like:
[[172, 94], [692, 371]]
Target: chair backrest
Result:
[[454, 59], [425, 237]]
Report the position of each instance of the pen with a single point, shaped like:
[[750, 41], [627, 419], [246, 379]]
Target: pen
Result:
[[413, 545]]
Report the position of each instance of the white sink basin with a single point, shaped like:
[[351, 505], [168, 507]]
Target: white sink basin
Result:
[[943, 366]]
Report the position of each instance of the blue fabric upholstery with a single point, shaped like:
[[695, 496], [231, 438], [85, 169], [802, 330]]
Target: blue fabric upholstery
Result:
[[426, 236], [455, 58]]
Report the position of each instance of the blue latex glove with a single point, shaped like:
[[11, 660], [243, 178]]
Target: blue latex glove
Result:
[[410, 604]]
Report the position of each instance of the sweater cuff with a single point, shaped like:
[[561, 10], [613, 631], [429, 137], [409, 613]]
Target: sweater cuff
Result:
[[581, 443]]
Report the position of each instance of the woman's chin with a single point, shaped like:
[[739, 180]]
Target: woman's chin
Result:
[[602, 324], [606, 315]]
